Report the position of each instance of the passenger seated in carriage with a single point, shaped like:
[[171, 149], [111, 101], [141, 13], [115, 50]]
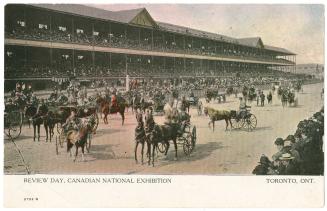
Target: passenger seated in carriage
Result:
[[243, 108], [72, 122]]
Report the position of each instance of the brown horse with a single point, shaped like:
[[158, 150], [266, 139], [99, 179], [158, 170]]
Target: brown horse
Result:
[[216, 115], [140, 137], [106, 108], [78, 138]]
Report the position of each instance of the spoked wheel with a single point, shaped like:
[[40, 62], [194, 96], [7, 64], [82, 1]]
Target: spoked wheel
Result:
[[95, 127], [162, 147], [13, 124], [59, 128], [250, 123], [187, 143], [193, 137], [62, 138], [237, 123], [88, 143]]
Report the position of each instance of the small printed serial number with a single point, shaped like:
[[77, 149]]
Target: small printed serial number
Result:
[[31, 199]]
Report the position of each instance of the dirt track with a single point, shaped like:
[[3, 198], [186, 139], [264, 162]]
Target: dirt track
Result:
[[219, 152]]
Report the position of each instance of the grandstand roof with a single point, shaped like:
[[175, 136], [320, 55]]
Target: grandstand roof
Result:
[[123, 16], [251, 41], [130, 16]]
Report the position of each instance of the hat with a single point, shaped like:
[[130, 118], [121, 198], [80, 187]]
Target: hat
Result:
[[279, 141], [286, 156], [290, 138], [264, 160]]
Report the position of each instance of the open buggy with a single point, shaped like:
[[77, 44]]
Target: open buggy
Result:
[[82, 112], [186, 137], [245, 120]]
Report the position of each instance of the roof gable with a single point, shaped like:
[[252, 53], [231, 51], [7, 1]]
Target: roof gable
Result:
[[252, 42], [143, 18]]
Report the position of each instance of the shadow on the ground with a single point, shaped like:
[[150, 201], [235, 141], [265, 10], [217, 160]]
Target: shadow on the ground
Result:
[[102, 152], [106, 131], [200, 152]]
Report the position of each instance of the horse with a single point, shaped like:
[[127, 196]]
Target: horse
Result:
[[107, 108], [216, 115], [38, 117], [140, 137], [54, 117], [78, 138], [156, 134]]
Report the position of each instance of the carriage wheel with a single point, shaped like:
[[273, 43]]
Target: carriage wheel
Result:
[[57, 151], [250, 122], [59, 128], [13, 124], [88, 143], [95, 127], [187, 144], [62, 139], [193, 137], [237, 123], [162, 147]]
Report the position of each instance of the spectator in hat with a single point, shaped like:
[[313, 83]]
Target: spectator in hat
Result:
[[265, 167], [287, 166], [288, 148], [279, 143]]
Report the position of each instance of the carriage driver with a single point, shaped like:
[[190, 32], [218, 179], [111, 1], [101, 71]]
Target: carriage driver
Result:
[[243, 107], [72, 122]]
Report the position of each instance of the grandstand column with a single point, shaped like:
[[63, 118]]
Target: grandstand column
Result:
[[73, 65], [50, 27], [126, 65], [184, 64], [73, 33], [152, 39], [110, 37], [295, 63], [93, 40], [93, 59], [164, 63], [125, 32], [184, 44], [139, 38]]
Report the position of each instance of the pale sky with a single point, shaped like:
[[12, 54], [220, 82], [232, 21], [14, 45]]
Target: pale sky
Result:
[[298, 28]]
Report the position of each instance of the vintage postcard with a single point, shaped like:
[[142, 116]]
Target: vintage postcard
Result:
[[163, 105]]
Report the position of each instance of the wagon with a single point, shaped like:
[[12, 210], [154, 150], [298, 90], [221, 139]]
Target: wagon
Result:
[[81, 112], [248, 121], [187, 139], [13, 121]]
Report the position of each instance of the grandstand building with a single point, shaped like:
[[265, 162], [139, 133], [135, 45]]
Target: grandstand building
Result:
[[58, 41]]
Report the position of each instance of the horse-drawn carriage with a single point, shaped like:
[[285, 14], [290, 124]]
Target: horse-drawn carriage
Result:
[[13, 121], [244, 120], [186, 138], [88, 113], [237, 120]]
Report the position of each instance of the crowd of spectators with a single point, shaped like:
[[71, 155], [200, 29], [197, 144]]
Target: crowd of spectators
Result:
[[225, 77], [118, 40], [298, 154]]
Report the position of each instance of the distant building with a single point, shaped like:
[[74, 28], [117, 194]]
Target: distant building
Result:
[[315, 70]]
